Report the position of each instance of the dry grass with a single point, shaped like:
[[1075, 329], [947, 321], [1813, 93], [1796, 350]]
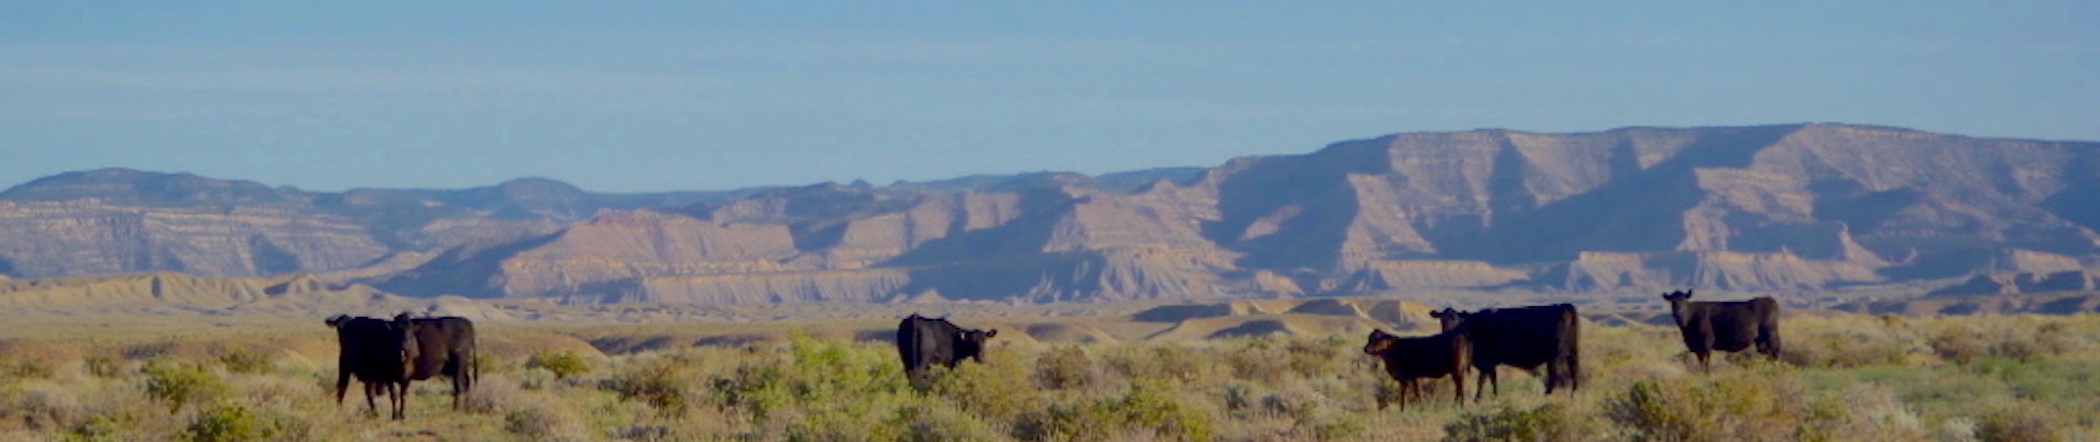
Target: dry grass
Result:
[[1844, 377]]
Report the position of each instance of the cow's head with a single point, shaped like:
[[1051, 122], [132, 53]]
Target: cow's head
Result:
[[1380, 342], [1677, 298], [1448, 318], [402, 330], [1677, 301], [970, 343]]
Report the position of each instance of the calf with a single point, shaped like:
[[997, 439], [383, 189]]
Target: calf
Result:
[[1730, 326], [1522, 337], [445, 346], [1409, 360], [923, 342], [380, 354]]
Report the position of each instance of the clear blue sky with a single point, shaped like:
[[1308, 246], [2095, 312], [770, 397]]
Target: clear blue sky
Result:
[[690, 95]]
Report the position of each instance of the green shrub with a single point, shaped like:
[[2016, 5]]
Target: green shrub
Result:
[[1143, 408], [104, 366], [545, 421], [1549, 422], [1147, 405], [941, 423], [990, 389], [97, 429], [1239, 397], [27, 367], [230, 422], [755, 387], [179, 383], [1856, 345], [243, 360], [563, 363], [658, 383], [1313, 357], [1164, 362], [1760, 404], [2019, 423], [44, 406], [1064, 367], [1324, 429], [1293, 403], [1258, 360]]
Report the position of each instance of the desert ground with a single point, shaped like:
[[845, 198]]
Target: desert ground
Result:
[[1242, 370]]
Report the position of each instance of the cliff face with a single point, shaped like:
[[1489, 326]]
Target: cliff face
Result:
[[91, 237], [1790, 208]]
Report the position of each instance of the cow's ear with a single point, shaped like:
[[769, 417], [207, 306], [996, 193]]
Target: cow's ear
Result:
[[991, 333], [1687, 293]]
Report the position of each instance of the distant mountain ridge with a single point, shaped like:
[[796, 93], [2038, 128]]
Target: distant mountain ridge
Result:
[[1783, 208]]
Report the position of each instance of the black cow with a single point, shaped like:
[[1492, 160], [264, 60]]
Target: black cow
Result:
[[1726, 325], [1522, 337], [445, 347], [923, 341], [379, 353], [1409, 360]]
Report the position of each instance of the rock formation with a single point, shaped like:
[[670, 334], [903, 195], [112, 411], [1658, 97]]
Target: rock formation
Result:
[[1783, 208]]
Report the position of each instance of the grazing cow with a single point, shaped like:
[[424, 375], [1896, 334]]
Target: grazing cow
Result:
[[1726, 325], [1409, 360], [1521, 337], [379, 353], [923, 341], [445, 347]]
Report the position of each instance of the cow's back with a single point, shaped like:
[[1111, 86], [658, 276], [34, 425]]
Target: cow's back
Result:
[[370, 349], [1523, 336], [925, 341], [1428, 356], [1737, 325], [447, 346]]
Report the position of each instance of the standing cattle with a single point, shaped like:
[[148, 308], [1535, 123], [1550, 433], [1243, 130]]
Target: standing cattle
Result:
[[1726, 326], [1522, 337], [380, 354], [445, 346], [923, 341], [1409, 360]]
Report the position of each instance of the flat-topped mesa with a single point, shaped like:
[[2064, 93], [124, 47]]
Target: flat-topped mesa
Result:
[[1763, 208]]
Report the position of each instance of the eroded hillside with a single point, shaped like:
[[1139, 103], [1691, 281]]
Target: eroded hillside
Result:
[[1783, 209]]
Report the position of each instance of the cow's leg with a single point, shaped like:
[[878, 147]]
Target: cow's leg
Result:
[[1421, 391], [1410, 391], [1487, 376], [456, 368], [401, 399], [371, 404], [1768, 343], [459, 391], [1458, 387], [1552, 376], [342, 382], [1706, 352], [401, 394]]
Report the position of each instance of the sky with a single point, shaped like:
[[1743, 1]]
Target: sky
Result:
[[633, 96]]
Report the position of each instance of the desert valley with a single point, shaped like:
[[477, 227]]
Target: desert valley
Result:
[[1935, 286]]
